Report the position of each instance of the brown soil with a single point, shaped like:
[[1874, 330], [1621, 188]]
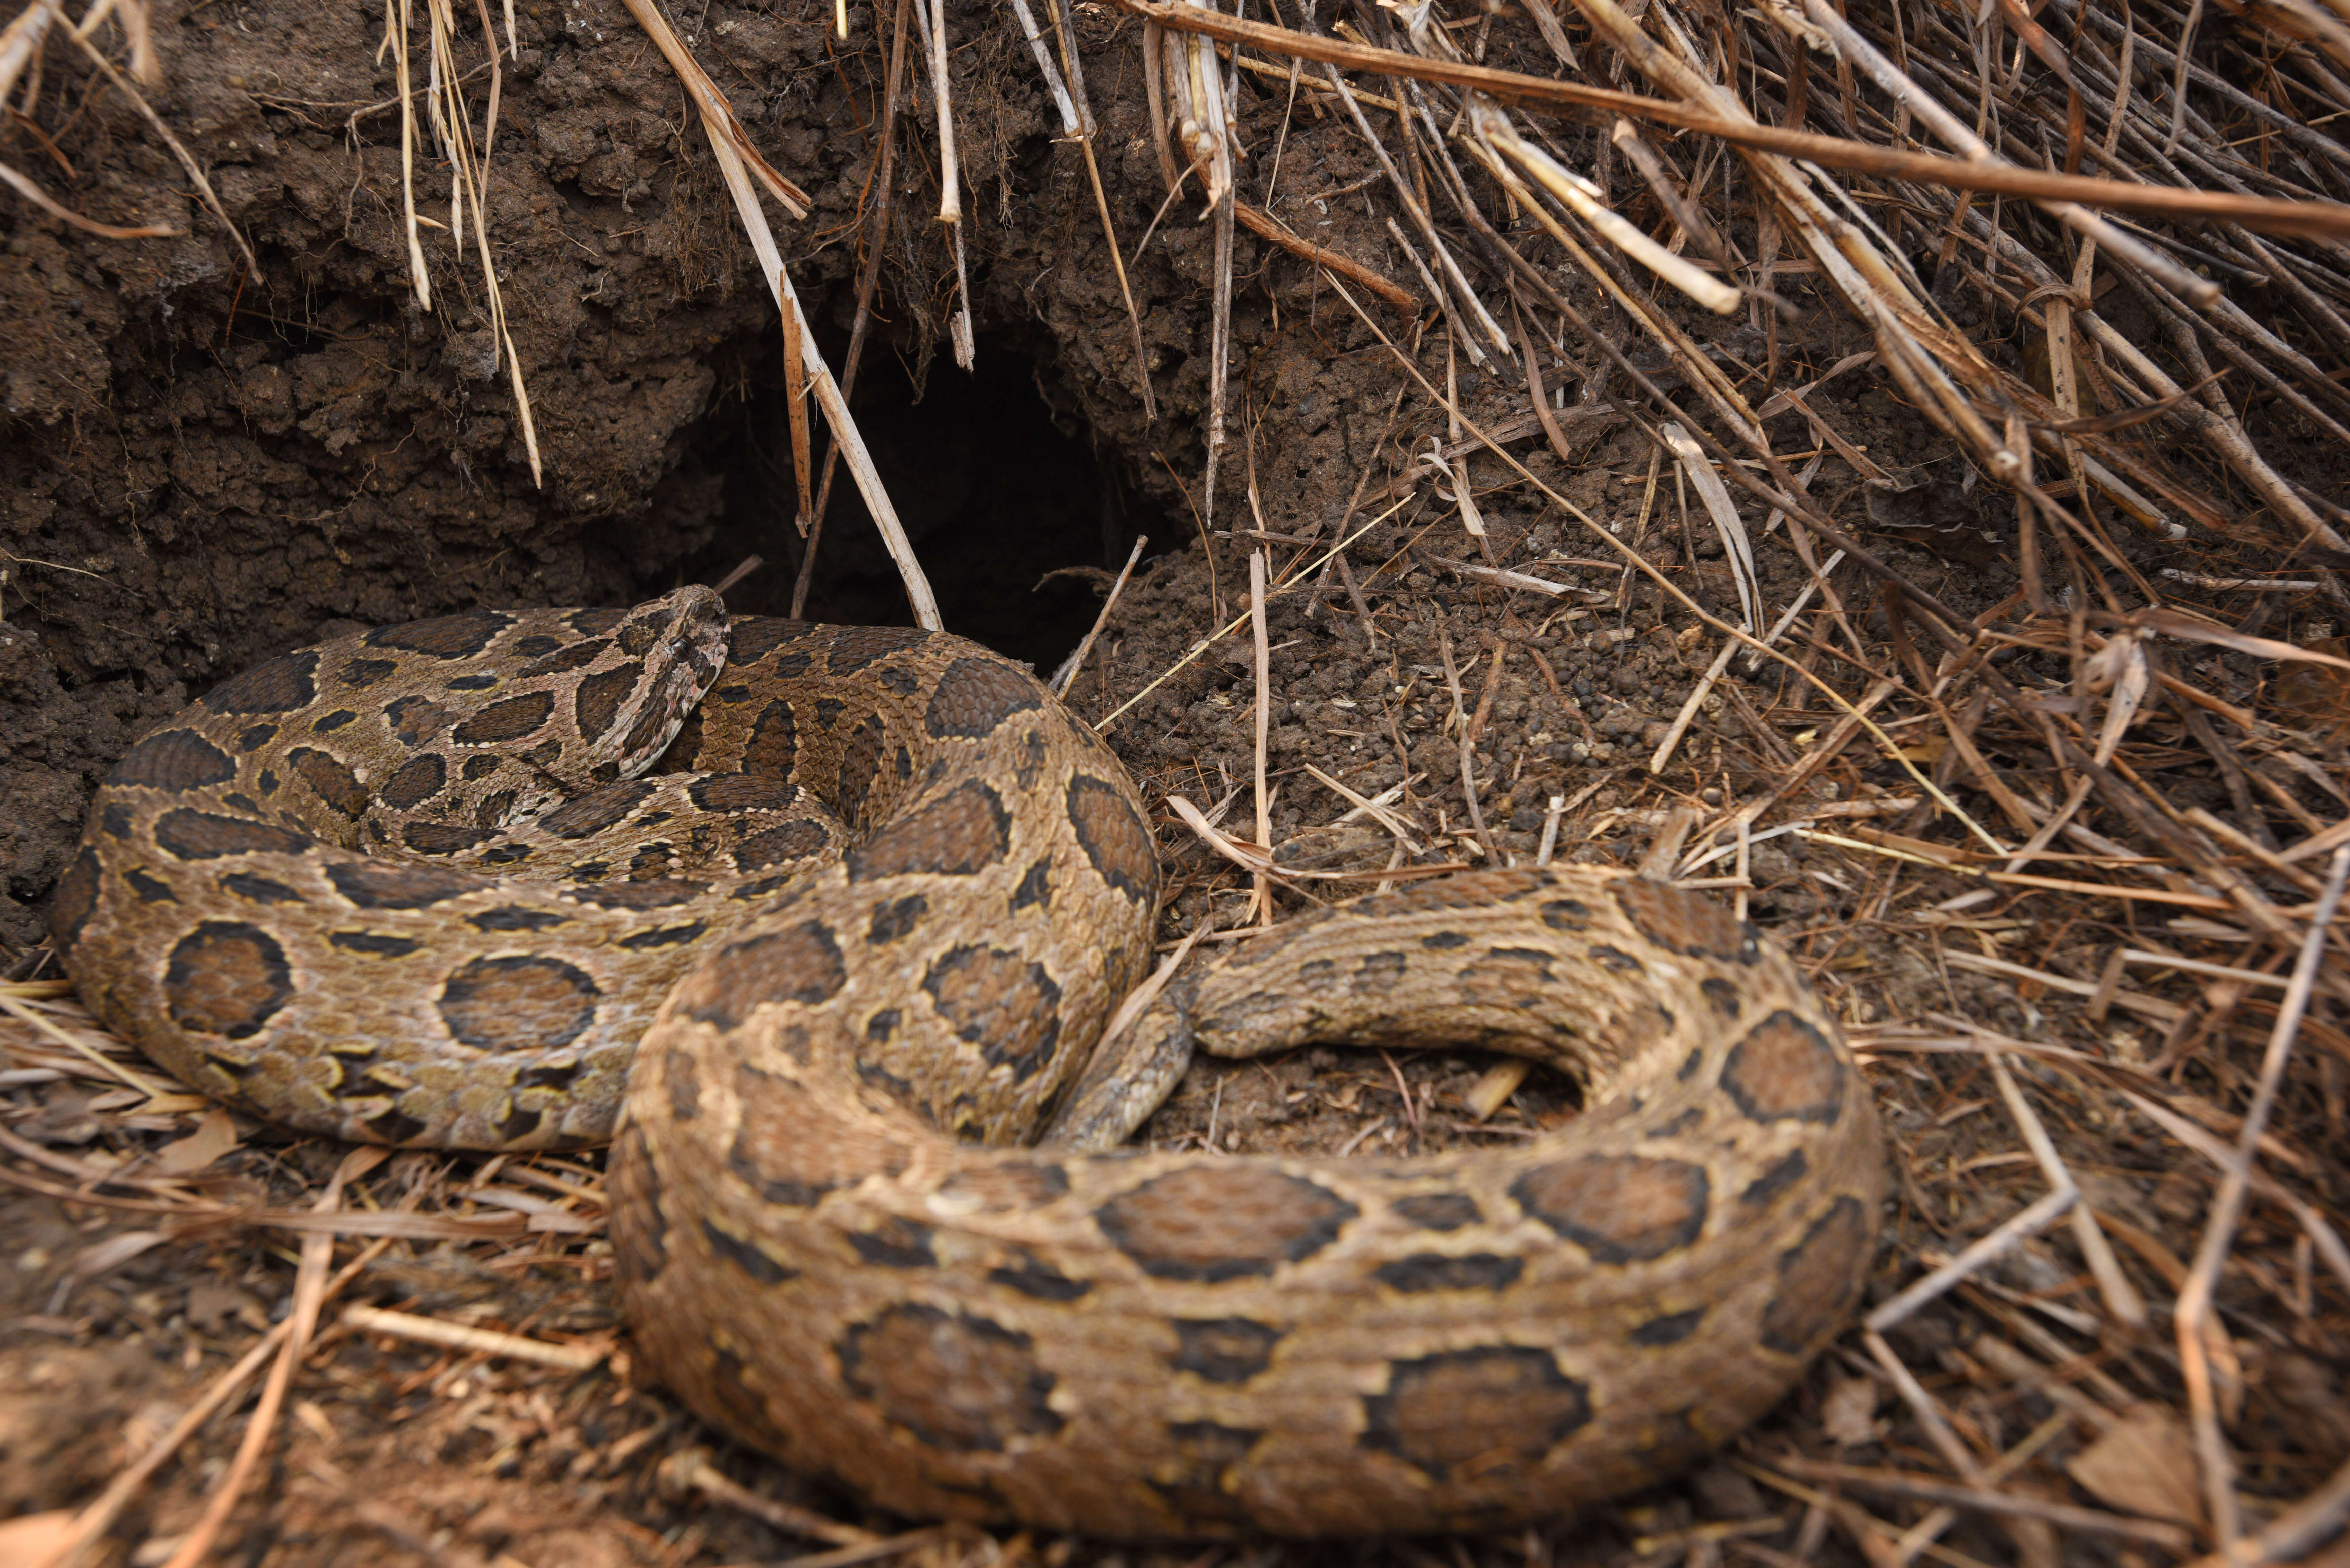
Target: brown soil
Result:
[[206, 465]]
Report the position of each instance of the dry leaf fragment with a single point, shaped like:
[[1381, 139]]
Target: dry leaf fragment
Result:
[[2313, 695], [35, 1539], [100, 1257], [215, 1136], [1848, 1413], [2144, 1465]]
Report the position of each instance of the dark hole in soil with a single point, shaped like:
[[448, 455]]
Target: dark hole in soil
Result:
[[995, 488]]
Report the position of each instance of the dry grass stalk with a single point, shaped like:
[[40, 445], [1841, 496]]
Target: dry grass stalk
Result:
[[309, 1294], [1086, 131], [396, 30], [1054, 84], [19, 48], [1258, 861], [2269, 215], [1375, 807], [803, 452], [718, 117], [693, 1470], [137, 23], [1267, 227], [1952, 130], [21, 39], [470, 177], [1705, 684], [1264, 714], [1188, 98], [1738, 550], [1078, 125], [1076, 661], [473, 1341], [892, 1546], [1991, 1500], [1459, 294], [40, 198], [91, 1523], [1582, 198], [719, 123], [934, 42], [1855, 713], [2201, 1341], [930, 17], [1468, 749], [1240, 620], [869, 278], [105, 1063]]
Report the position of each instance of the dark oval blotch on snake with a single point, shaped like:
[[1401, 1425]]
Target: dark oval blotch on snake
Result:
[[869, 913]]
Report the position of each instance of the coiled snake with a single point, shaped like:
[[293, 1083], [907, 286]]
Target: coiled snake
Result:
[[876, 909]]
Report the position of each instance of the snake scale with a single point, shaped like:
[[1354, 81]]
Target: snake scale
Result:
[[870, 912]]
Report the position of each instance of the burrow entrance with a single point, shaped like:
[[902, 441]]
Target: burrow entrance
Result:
[[1018, 521]]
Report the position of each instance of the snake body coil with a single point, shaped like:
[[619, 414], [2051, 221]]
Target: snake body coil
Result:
[[877, 910]]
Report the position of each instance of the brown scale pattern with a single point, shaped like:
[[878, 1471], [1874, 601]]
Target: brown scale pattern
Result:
[[877, 905], [1165, 1345]]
